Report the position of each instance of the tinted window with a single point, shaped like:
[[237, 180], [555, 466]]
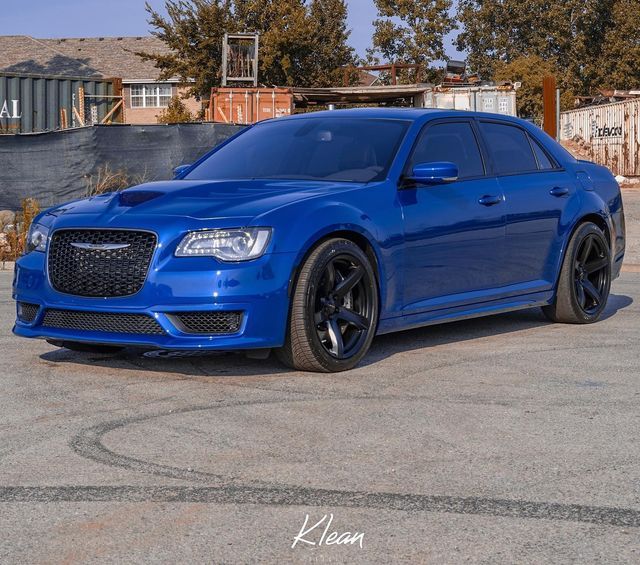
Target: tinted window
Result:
[[510, 148], [331, 149], [454, 142], [544, 162]]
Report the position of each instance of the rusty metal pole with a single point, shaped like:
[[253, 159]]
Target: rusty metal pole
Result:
[[549, 101], [393, 74]]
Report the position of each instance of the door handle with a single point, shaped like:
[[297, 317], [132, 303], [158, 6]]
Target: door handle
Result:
[[488, 200], [559, 191]]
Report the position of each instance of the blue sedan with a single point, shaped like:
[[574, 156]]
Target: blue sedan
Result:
[[311, 234]]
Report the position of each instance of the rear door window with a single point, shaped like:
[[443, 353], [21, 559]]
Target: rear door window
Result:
[[544, 161], [454, 142], [510, 148]]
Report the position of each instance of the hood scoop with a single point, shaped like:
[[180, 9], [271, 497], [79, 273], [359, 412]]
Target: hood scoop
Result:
[[135, 197]]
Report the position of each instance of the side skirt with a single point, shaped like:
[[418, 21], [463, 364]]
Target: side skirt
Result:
[[445, 315]]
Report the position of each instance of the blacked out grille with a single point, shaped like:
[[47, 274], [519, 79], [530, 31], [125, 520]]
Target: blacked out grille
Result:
[[118, 269], [27, 312], [208, 322], [102, 322]]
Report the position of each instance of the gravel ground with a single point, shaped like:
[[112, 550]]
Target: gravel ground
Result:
[[504, 439]]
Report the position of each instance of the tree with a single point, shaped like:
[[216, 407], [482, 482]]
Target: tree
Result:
[[410, 31], [530, 71], [193, 30], [175, 113], [300, 44], [285, 30], [330, 51], [619, 63], [579, 38]]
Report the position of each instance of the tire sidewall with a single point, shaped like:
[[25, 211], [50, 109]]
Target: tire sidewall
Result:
[[328, 252], [579, 236]]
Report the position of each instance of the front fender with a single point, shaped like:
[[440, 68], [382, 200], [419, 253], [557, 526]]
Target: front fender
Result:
[[299, 227]]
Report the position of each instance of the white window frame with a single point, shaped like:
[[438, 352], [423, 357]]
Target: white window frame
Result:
[[149, 95]]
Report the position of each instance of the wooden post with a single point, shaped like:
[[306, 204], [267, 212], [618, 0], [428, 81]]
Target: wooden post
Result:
[[393, 73], [549, 101], [112, 111]]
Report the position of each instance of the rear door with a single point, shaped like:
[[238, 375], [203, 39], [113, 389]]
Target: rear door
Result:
[[537, 193], [454, 232]]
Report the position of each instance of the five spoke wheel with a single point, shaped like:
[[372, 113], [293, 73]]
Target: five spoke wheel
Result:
[[591, 273], [334, 309], [585, 278], [343, 310]]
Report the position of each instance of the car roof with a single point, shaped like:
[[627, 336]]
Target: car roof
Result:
[[413, 114]]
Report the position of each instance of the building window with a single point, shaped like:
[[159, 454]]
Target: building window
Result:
[[150, 95]]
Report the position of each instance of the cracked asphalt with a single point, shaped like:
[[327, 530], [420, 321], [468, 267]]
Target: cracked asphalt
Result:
[[496, 440]]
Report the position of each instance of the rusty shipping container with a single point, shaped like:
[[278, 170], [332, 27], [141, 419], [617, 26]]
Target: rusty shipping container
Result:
[[37, 103], [611, 133], [249, 105]]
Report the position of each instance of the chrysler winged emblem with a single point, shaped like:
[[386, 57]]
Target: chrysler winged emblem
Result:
[[100, 246]]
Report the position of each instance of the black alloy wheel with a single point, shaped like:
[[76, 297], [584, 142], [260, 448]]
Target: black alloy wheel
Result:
[[592, 273], [343, 306], [585, 278], [334, 309]]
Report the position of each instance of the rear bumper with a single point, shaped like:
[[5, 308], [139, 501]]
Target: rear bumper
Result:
[[258, 289]]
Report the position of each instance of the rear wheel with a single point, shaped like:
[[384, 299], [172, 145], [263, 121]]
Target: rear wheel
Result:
[[585, 278], [334, 310], [86, 347]]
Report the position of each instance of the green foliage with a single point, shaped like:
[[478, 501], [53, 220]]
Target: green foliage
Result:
[[619, 63], [530, 71], [193, 30], [301, 43], [175, 113], [411, 32], [588, 43]]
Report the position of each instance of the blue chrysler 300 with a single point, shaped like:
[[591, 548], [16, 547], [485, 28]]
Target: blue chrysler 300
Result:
[[311, 234]]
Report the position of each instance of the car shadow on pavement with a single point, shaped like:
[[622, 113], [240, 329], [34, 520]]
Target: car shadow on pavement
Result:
[[202, 364]]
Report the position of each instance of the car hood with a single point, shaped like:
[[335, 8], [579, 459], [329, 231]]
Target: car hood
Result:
[[200, 200]]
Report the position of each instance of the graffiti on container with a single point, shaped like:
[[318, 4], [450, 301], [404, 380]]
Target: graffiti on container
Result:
[[605, 132], [11, 110], [567, 130]]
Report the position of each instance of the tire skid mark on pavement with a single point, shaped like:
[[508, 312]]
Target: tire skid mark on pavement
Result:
[[299, 496], [88, 444]]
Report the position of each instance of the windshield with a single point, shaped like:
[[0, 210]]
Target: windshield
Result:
[[325, 149]]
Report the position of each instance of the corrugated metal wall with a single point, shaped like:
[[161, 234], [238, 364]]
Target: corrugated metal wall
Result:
[[611, 133], [32, 103]]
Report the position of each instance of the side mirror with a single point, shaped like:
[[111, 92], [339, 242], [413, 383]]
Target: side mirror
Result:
[[434, 173], [180, 170]]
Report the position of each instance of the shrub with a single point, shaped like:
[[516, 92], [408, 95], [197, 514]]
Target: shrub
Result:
[[13, 237], [109, 180], [175, 113]]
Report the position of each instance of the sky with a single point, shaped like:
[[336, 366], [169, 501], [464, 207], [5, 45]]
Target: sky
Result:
[[94, 18]]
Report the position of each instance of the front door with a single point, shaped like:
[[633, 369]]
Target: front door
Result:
[[454, 232]]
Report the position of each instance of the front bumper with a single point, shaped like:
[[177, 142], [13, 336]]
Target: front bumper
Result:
[[257, 288]]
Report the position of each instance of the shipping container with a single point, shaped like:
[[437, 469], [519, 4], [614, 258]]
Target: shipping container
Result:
[[493, 99], [37, 103], [610, 134], [249, 105]]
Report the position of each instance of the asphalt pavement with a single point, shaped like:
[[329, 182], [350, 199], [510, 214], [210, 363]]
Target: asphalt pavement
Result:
[[505, 439]]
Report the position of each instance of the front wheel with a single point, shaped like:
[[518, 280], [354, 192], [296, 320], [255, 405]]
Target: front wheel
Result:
[[334, 310], [585, 278]]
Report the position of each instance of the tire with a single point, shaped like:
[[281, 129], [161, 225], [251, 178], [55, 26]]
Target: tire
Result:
[[86, 347], [334, 310], [585, 278]]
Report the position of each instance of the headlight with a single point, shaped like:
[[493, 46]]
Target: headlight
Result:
[[37, 238], [240, 244]]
